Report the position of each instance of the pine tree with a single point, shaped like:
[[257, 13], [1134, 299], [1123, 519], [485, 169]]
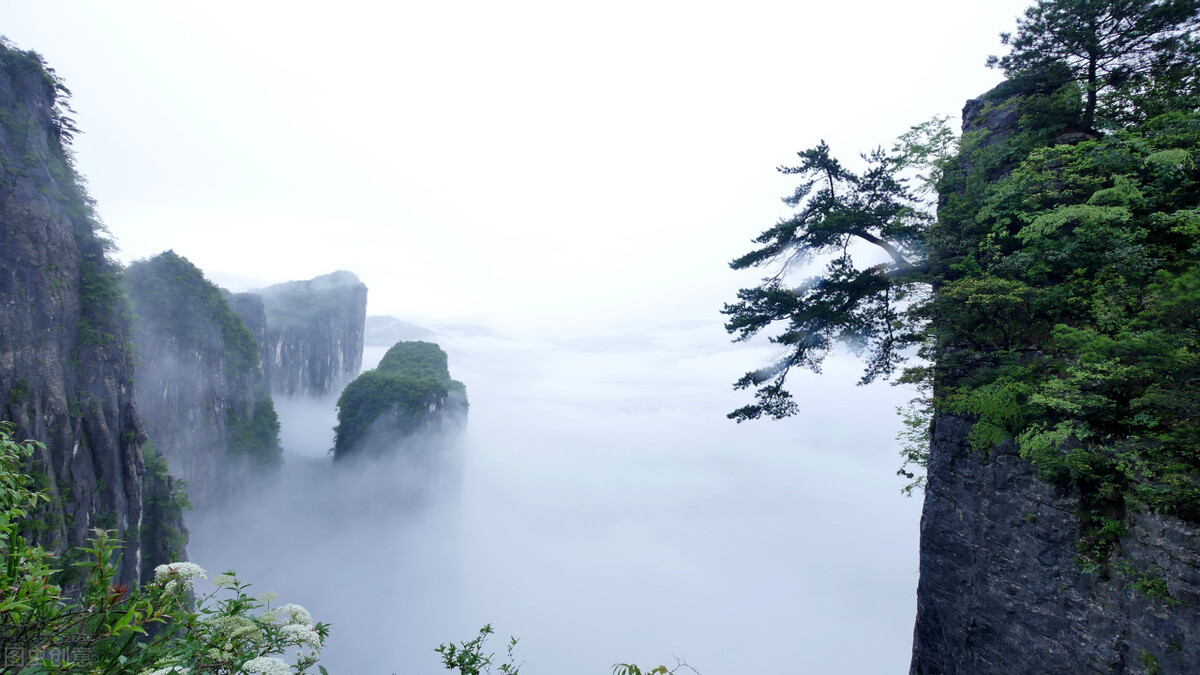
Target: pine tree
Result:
[[863, 305], [1106, 43]]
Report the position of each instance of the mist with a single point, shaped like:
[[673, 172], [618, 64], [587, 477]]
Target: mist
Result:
[[571, 180], [607, 512]]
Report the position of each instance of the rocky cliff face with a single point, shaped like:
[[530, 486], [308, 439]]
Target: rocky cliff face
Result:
[[1001, 590], [314, 334], [66, 371], [200, 388], [249, 307], [1003, 586]]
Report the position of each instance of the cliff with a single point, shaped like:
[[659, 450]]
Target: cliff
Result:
[[314, 334], [409, 394], [1001, 588], [66, 369], [200, 388], [1060, 530], [253, 313]]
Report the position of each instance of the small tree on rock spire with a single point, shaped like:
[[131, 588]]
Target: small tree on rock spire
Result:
[[1106, 43]]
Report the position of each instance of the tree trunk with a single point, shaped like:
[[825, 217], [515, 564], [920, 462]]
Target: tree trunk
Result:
[[1089, 111]]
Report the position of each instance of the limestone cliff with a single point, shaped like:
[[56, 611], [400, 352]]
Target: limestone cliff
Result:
[[249, 307], [409, 394], [314, 334], [1052, 558], [66, 370], [200, 388], [1001, 590]]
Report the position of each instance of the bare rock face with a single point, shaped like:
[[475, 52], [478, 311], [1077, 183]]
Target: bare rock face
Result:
[[253, 313], [200, 388], [65, 368], [314, 334], [1001, 590]]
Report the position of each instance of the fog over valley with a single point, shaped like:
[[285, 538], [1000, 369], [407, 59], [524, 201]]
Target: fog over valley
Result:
[[607, 513], [551, 193]]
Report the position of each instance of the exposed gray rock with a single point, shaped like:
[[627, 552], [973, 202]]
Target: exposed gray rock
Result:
[[66, 372], [314, 334], [1000, 589], [250, 307]]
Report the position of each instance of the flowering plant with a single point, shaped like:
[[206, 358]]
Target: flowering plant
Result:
[[158, 628]]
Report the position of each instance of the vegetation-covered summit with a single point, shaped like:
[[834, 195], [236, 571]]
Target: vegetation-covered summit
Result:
[[172, 297], [1067, 316], [409, 391]]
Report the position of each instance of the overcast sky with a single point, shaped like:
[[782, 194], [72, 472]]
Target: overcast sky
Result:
[[538, 164], [573, 177]]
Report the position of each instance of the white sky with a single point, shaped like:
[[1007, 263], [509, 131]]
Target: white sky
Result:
[[576, 176], [523, 164]]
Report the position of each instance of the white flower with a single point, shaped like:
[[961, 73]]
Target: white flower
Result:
[[224, 581], [267, 666], [295, 614], [232, 628], [183, 572], [169, 670], [299, 634]]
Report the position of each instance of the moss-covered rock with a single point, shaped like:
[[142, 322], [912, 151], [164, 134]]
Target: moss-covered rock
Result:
[[409, 392]]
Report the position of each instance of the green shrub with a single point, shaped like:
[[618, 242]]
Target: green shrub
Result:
[[155, 628]]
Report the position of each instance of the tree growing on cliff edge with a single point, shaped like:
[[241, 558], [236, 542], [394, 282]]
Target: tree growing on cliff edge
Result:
[[1107, 43], [840, 214]]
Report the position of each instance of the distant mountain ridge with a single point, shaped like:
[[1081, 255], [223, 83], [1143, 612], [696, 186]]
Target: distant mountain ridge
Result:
[[385, 331]]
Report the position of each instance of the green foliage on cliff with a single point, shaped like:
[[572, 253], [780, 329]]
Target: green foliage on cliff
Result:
[[1123, 47], [177, 309], [256, 435], [38, 129], [159, 626], [416, 359], [1072, 325], [375, 393], [164, 501], [411, 382], [172, 298], [1063, 273]]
